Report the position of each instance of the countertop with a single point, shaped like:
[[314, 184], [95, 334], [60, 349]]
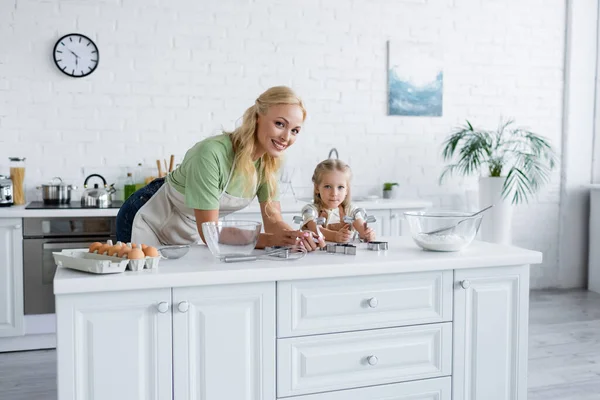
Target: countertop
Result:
[[199, 267], [287, 206]]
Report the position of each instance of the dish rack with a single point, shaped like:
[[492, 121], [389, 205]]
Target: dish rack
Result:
[[83, 260]]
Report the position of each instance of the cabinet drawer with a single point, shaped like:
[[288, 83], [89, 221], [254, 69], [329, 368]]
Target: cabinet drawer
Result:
[[313, 364], [346, 304], [429, 389]]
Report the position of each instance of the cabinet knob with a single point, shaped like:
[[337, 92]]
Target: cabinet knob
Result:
[[183, 306], [163, 307], [373, 302], [18, 226], [465, 284], [372, 360]]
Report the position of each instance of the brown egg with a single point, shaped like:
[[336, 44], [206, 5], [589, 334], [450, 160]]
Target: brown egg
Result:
[[150, 251], [144, 246], [104, 248], [124, 251], [94, 246], [114, 250], [133, 245], [135, 254]]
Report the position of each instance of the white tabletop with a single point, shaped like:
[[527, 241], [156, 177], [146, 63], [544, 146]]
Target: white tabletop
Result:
[[199, 267]]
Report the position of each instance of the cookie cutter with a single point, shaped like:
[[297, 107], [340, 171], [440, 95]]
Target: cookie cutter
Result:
[[377, 246], [340, 248], [278, 251]]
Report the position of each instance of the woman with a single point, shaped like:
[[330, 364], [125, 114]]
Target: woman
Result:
[[220, 175]]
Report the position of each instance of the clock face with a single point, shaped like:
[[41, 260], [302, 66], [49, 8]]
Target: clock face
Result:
[[76, 55]]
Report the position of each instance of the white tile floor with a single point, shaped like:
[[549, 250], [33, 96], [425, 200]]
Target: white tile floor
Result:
[[564, 353]]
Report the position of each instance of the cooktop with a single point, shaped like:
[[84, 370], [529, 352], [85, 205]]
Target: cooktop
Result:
[[39, 205]]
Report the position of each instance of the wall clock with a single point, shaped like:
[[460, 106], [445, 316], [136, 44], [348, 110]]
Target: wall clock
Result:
[[76, 55]]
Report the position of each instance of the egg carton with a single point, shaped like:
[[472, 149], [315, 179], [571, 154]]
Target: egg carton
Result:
[[83, 260]]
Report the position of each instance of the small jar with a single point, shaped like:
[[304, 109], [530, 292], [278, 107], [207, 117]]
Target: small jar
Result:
[[17, 176]]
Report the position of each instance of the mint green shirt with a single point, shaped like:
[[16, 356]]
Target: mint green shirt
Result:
[[203, 174]]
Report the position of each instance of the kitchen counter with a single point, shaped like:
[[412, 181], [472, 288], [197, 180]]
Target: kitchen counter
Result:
[[287, 206], [403, 322], [200, 268]]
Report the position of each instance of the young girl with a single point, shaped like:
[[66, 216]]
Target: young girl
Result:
[[332, 201]]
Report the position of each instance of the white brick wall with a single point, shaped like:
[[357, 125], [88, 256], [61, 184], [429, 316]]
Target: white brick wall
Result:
[[174, 72]]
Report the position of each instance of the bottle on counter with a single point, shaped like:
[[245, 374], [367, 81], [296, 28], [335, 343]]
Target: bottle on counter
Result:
[[139, 177], [17, 176], [130, 187]]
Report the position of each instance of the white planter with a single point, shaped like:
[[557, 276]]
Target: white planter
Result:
[[497, 221]]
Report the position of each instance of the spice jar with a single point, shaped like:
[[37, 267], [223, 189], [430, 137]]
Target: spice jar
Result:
[[17, 175]]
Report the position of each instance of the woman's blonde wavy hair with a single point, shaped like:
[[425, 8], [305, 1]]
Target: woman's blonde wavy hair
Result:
[[321, 169], [245, 141]]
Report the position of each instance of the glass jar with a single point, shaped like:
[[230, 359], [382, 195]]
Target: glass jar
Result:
[[17, 176]]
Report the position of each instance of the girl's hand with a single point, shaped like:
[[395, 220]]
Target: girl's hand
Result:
[[343, 235], [368, 234]]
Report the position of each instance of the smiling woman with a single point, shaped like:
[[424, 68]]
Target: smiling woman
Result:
[[220, 175]]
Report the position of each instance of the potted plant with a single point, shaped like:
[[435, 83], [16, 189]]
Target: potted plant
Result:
[[388, 188], [517, 163]]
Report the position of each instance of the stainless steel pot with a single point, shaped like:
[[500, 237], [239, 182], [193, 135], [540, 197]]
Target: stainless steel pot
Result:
[[56, 192]]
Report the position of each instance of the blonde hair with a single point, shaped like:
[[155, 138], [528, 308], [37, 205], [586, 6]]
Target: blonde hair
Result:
[[245, 141], [321, 169]]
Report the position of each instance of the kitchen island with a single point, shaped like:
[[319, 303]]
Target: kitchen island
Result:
[[391, 324]]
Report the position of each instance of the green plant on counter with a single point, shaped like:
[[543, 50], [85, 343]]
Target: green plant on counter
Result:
[[389, 185], [528, 158]]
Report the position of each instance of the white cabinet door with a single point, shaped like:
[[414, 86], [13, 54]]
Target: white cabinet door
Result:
[[224, 342], [398, 225], [11, 277], [382, 226], [115, 345], [490, 333]]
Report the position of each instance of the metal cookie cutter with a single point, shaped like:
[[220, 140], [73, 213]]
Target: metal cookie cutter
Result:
[[341, 248], [278, 251], [359, 213], [377, 246], [309, 214]]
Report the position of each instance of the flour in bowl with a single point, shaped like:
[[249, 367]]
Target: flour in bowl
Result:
[[451, 242]]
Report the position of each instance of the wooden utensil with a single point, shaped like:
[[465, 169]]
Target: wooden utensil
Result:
[[160, 174], [171, 163]]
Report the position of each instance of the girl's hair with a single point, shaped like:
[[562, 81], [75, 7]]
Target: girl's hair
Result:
[[244, 138], [324, 167]]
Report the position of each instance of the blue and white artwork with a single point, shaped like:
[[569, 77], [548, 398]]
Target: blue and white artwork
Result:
[[415, 80]]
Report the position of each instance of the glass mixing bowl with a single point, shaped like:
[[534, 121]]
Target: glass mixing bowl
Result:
[[228, 238], [427, 229]]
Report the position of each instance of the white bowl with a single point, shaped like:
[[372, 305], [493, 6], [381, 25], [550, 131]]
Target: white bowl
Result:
[[463, 230], [228, 238]]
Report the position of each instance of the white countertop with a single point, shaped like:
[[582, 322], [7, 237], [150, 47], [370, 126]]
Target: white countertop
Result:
[[287, 206], [199, 267]]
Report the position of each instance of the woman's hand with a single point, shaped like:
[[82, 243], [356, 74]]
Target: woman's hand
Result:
[[304, 239], [343, 235]]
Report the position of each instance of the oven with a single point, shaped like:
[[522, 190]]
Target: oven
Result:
[[42, 237]]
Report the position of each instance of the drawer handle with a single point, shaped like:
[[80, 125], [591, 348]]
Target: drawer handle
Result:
[[163, 307], [373, 302], [372, 360], [465, 284], [183, 306], [17, 226]]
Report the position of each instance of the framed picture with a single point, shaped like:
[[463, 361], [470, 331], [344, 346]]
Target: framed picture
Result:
[[415, 79]]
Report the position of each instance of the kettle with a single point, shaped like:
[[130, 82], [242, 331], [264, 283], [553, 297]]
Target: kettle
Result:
[[97, 196]]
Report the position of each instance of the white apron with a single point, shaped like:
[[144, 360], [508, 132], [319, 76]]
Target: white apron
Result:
[[166, 220]]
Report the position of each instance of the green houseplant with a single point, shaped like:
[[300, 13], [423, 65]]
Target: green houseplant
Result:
[[387, 189], [525, 157]]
